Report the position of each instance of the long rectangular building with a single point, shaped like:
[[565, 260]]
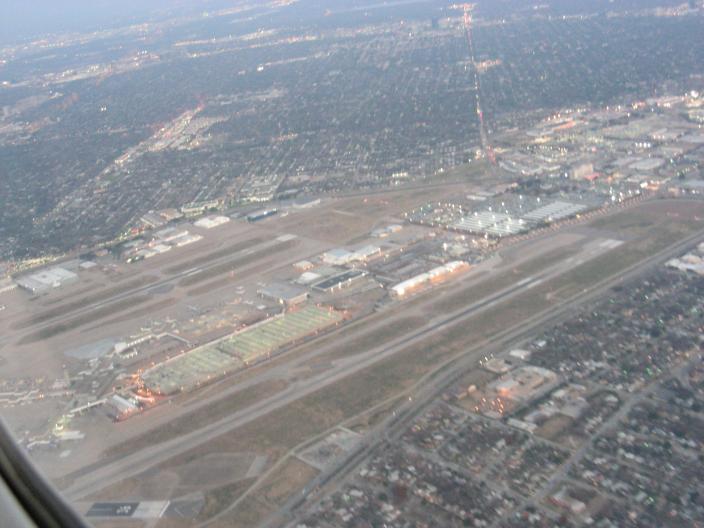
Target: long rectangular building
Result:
[[490, 223], [234, 352], [435, 275]]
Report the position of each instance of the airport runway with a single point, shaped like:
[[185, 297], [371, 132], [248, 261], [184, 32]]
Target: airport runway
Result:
[[94, 479], [156, 285], [440, 380], [135, 463]]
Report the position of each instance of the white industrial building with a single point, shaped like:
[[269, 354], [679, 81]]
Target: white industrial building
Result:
[[491, 223], [45, 280], [338, 257], [554, 211], [284, 293], [342, 256], [186, 239], [120, 408], [366, 252], [303, 265], [308, 277], [170, 234], [688, 262], [435, 275], [210, 222], [524, 383]]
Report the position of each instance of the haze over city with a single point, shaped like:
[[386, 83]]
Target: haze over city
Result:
[[356, 263]]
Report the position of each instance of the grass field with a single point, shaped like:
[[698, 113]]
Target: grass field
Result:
[[475, 292], [651, 233], [195, 419], [553, 427], [373, 338], [218, 499], [220, 283], [269, 495]]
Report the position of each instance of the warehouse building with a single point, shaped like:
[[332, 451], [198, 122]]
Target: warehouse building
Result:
[[366, 252], [342, 256], [210, 222], [308, 277], [187, 239], [525, 383], [45, 280], [284, 293], [490, 223], [261, 214], [303, 265], [120, 408], [434, 276], [339, 281], [338, 257], [153, 220], [554, 211]]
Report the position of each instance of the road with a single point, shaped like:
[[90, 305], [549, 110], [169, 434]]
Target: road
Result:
[[137, 462], [98, 476], [614, 419], [393, 426]]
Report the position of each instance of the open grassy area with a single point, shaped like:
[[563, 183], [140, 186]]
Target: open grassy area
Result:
[[250, 512], [476, 292], [269, 495], [373, 338], [217, 284], [554, 426], [651, 234], [199, 418], [119, 491], [288, 479], [374, 416], [216, 500]]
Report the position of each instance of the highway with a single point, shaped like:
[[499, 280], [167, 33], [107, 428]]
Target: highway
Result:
[[96, 478], [441, 379]]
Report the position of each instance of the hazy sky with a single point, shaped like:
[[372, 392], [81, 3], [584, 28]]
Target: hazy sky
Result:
[[22, 19]]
